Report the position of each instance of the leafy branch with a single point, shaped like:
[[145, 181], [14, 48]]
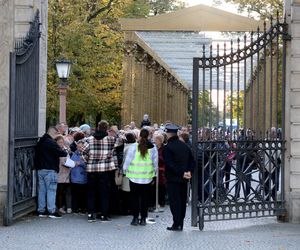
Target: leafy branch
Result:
[[95, 13]]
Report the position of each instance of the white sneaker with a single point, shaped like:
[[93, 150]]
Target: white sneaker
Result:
[[69, 210], [55, 215]]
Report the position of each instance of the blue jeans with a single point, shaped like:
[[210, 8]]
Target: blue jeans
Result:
[[47, 185]]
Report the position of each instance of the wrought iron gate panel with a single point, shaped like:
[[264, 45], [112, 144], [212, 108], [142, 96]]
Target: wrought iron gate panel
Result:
[[23, 135], [238, 127]]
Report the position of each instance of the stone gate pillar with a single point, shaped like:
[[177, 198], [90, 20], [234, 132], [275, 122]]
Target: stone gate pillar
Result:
[[6, 46], [292, 159]]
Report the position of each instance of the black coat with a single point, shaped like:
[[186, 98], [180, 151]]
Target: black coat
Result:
[[73, 146], [145, 123], [47, 154], [178, 159]]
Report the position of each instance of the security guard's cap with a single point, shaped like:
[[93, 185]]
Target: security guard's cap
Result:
[[171, 128]]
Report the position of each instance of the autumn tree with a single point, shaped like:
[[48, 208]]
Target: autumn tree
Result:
[[207, 110], [262, 8], [235, 103], [87, 32], [144, 8], [162, 6]]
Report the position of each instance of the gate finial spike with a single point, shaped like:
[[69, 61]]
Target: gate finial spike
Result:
[[271, 21], [265, 26]]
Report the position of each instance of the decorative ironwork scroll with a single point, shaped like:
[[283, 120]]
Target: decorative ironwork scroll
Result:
[[238, 128]]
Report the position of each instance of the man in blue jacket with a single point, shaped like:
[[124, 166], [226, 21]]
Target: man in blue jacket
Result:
[[179, 164], [47, 163]]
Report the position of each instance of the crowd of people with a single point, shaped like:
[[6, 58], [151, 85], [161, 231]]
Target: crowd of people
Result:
[[131, 171], [106, 170]]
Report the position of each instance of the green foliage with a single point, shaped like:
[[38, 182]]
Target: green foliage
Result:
[[208, 113], [263, 8], [162, 6], [144, 8], [87, 32], [237, 106], [96, 47], [137, 9]]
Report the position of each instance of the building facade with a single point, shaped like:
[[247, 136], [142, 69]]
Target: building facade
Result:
[[292, 106], [150, 86]]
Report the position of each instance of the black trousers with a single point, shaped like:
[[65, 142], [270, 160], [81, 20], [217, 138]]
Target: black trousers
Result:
[[226, 174], [271, 184], [63, 196], [114, 200], [139, 199], [244, 185], [99, 188], [79, 197], [205, 185], [177, 194], [152, 195], [125, 202], [162, 195]]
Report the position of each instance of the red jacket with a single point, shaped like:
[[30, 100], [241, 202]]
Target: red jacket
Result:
[[161, 167]]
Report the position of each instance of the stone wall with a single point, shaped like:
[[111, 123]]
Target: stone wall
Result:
[[6, 45], [292, 173], [43, 7]]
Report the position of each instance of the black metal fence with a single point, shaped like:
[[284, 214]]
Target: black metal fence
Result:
[[238, 127], [23, 125]]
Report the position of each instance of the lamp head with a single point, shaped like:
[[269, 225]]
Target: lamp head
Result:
[[63, 68]]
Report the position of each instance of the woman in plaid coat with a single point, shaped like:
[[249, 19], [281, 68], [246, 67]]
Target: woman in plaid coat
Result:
[[101, 165]]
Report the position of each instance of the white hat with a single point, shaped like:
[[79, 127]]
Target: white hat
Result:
[[84, 127], [75, 129]]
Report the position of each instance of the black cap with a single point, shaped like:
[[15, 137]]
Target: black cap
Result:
[[171, 128]]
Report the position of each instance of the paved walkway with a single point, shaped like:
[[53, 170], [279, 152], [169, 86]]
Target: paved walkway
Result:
[[74, 232]]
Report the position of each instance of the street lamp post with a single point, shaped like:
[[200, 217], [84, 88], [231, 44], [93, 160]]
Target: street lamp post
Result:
[[63, 68]]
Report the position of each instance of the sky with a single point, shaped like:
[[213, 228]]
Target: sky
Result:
[[225, 6]]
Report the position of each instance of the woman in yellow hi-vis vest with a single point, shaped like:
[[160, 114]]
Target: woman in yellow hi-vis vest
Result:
[[140, 166]]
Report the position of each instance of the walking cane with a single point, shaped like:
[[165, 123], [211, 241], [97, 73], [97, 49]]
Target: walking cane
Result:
[[157, 210], [188, 193]]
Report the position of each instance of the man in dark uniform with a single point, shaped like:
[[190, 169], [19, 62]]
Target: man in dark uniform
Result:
[[179, 164]]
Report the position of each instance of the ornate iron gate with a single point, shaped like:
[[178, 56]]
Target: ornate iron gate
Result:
[[238, 127], [23, 125]]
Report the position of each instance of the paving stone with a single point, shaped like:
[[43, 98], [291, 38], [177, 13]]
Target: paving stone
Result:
[[74, 232]]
